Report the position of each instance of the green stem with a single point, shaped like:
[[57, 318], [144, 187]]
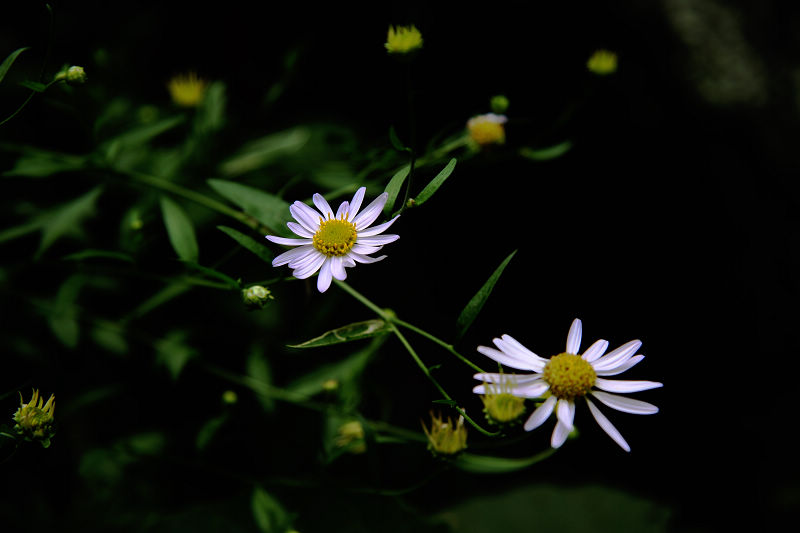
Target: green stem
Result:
[[447, 346]]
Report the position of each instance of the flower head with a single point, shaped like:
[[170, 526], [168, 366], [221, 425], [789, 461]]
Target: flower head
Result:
[[256, 297], [187, 90], [403, 39], [567, 377], [487, 129], [331, 243], [73, 75], [445, 437], [500, 406], [34, 420], [602, 62]]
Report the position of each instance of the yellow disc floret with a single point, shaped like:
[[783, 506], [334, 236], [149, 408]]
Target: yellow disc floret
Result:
[[569, 376], [502, 407], [335, 237]]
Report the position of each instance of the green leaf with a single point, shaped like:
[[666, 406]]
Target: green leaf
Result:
[[543, 154], [210, 115], [208, 430], [7, 62], [396, 142], [436, 182], [212, 273], [475, 305], [350, 332], [64, 317], [180, 230], [40, 163], [66, 220], [258, 369], [34, 86], [393, 188], [264, 207], [268, 513], [173, 352], [141, 135], [248, 242], [264, 151], [98, 254], [484, 464]]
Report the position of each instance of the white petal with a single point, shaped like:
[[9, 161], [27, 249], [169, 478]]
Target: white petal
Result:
[[595, 350], [288, 241], [370, 213], [337, 268], [565, 412], [364, 249], [344, 208], [574, 337], [377, 240], [612, 385], [293, 255], [627, 405], [348, 262], [607, 426], [621, 368], [310, 267], [560, 434], [306, 216], [526, 390], [507, 359], [360, 258], [617, 356], [323, 207], [515, 379], [375, 230], [298, 229], [324, 279], [541, 414], [301, 261], [355, 205], [512, 346]]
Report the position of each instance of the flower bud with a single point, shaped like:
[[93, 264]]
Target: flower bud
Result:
[[444, 437], [256, 297], [403, 39], [499, 104], [486, 129], [187, 90], [602, 62], [500, 406], [73, 75], [34, 420]]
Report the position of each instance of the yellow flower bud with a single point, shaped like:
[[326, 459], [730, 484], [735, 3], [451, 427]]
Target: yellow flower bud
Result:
[[403, 39], [34, 420], [445, 437]]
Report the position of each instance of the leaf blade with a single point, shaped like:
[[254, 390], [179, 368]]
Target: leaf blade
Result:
[[436, 182], [474, 306], [356, 331], [264, 207], [8, 61], [248, 243], [180, 230]]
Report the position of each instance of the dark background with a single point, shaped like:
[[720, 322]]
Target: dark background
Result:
[[673, 219]]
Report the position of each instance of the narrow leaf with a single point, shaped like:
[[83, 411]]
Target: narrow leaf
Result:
[[269, 515], [264, 207], [248, 242], [543, 154], [396, 142], [143, 134], [7, 62], [261, 152], [173, 352], [393, 188], [436, 182], [213, 273], [98, 254], [64, 318], [34, 86], [208, 430], [484, 464], [351, 332], [258, 368], [180, 230], [475, 305], [41, 163], [66, 220]]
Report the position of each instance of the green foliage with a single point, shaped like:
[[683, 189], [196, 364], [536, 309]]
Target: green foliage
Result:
[[248, 243], [474, 306], [543, 154], [393, 188], [265, 151], [268, 513], [8, 61], [180, 230], [351, 332], [264, 207], [436, 182]]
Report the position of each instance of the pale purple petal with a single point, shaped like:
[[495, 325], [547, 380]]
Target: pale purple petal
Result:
[[627, 405], [288, 241], [617, 356], [375, 230], [364, 249], [370, 213], [341, 213], [612, 385], [507, 359], [293, 255], [337, 268], [304, 259], [324, 278], [298, 229], [323, 207], [359, 258], [621, 368], [574, 337], [565, 412], [355, 205], [309, 267], [511, 346], [516, 379], [607, 426], [532, 390], [306, 216], [541, 414], [595, 350], [377, 240], [560, 434]]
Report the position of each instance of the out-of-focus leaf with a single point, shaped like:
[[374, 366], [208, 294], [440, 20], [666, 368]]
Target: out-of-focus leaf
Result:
[[64, 317], [66, 220], [248, 242], [268, 513], [210, 115], [173, 352], [485, 464], [396, 142], [212, 273], [393, 188], [98, 254], [350, 332], [42, 163], [143, 134], [264, 207], [258, 368], [261, 152], [110, 338], [180, 230], [208, 430], [543, 154], [436, 182], [8, 61], [475, 305], [23, 229], [34, 86]]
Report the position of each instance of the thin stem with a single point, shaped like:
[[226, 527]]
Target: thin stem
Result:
[[447, 346]]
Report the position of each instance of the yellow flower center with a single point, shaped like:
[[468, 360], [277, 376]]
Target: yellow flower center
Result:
[[569, 376], [500, 405], [335, 237], [486, 132]]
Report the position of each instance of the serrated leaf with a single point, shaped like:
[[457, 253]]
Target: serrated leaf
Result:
[[350, 332], [485, 464], [543, 154], [475, 305], [268, 513], [264, 207], [180, 230], [66, 220], [393, 188], [248, 243], [261, 152], [8, 61], [436, 182]]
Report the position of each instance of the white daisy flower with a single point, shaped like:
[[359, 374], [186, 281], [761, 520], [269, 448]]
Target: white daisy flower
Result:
[[567, 376], [331, 243]]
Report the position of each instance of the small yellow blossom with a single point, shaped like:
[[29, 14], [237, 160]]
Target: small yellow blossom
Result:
[[487, 129], [403, 39], [602, 62], [499, 404], [445, 437], [187, 90], [34, 420]]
